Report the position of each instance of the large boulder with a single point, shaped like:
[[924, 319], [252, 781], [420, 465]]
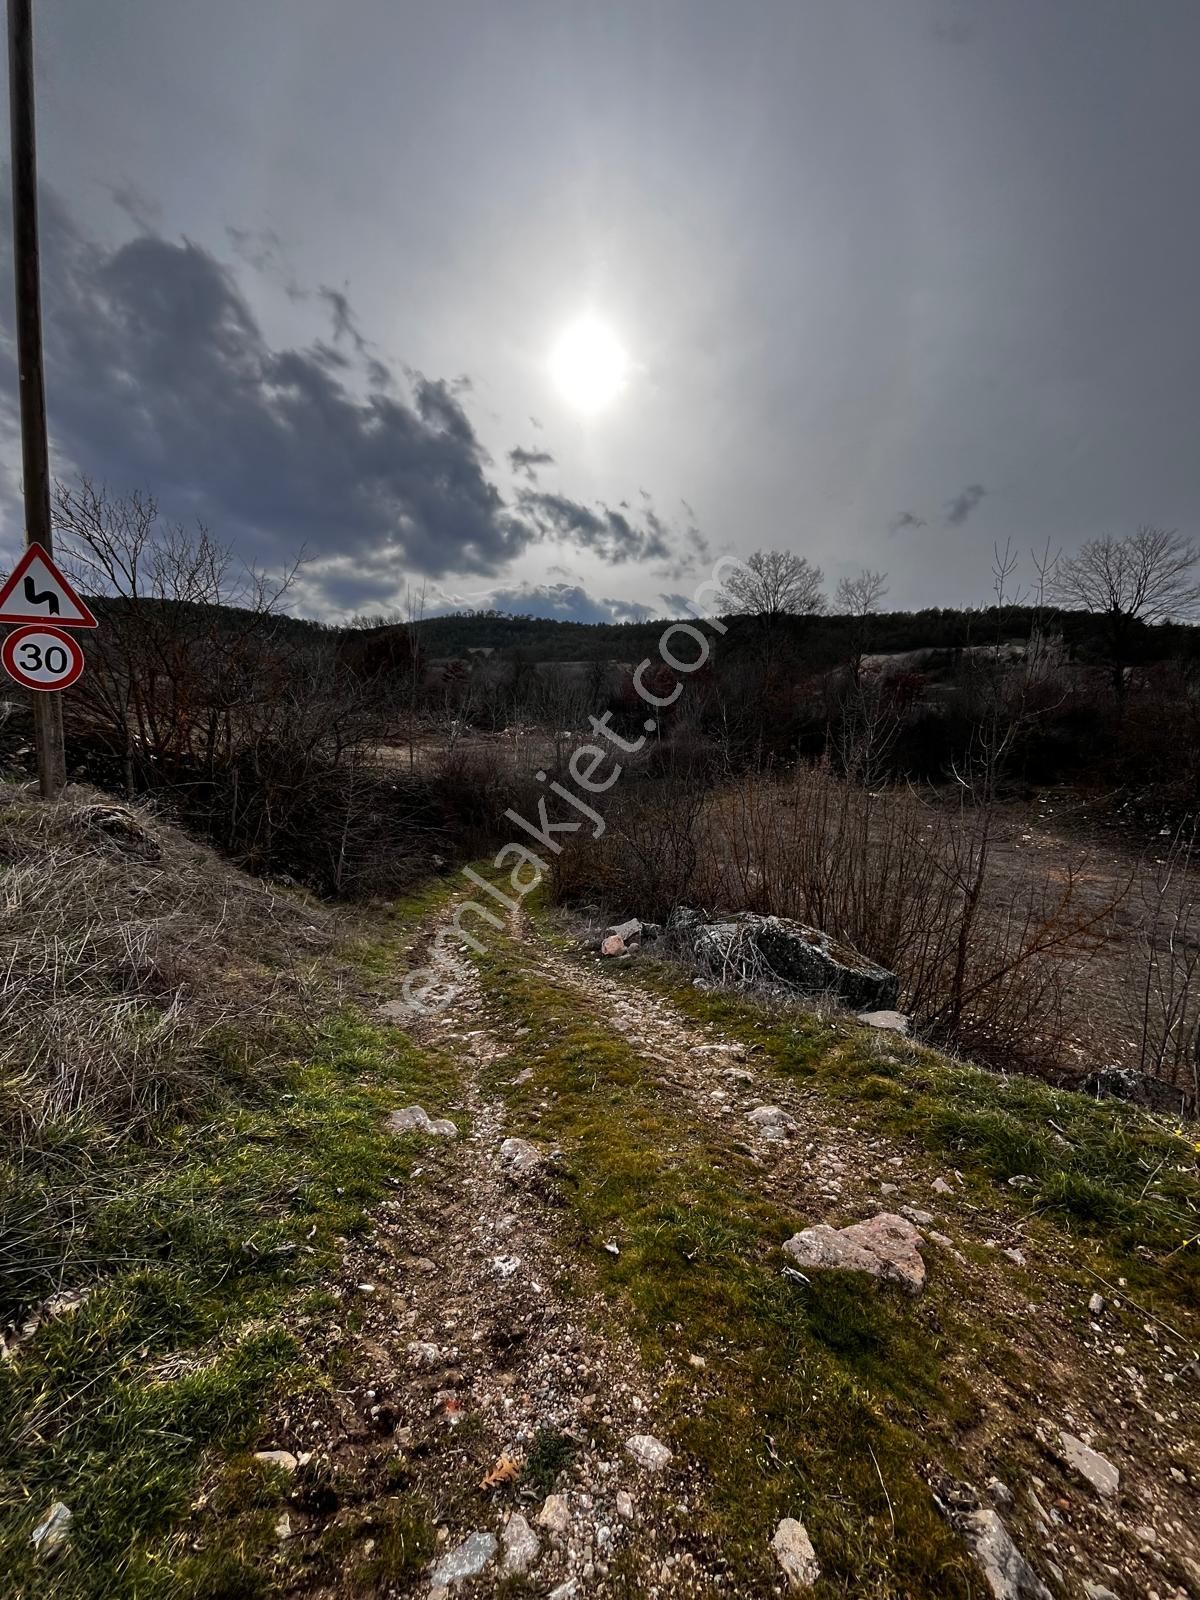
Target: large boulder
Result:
[[1139, 1089], [750, 948]]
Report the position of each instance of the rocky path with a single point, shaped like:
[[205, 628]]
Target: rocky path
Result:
[[490, 1378], [523, 1418]]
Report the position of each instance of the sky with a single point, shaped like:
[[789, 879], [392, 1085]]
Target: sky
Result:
[[544, 305]]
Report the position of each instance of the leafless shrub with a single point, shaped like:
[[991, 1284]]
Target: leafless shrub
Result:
[[1163, 990]]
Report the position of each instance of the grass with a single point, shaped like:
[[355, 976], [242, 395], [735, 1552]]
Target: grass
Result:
[[192, 1249], [1130, 1181], [816, 1400]]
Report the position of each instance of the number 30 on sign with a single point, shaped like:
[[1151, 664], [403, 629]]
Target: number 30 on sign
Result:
[[41, 657]]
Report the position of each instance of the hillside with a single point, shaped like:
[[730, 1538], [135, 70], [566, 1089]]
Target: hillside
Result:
[[274, 1333]]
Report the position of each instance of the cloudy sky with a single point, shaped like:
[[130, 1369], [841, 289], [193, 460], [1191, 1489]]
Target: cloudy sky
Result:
[[544, 303]]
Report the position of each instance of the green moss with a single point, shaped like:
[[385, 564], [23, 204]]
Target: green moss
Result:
[[191, 1248], [1108, 1170]]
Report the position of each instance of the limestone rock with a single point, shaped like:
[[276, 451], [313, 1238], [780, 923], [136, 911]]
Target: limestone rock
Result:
[[772, 1122], [613, 946], [519, 1158], [885, 1246], [1139, 1089], [521, 1544], [415, 1119], [277, 1458], [1090, 1464], [750, 948], [795, 1554], [648, 1451], [624, 1506], [1007, 1573], [466, 1560], [555, 1514], [888, 1021], [628, 932]]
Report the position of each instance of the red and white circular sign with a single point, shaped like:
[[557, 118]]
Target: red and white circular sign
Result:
[[41, 657]]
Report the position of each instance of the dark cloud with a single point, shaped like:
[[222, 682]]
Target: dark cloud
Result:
[[528, 461], [344, 325], [607, 533], [906, 519], [159, 376], [963, 503]]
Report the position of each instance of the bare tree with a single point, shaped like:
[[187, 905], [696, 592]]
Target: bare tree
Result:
[[858, 598], [775, 583], [189, 647], [769, 585], [1147, 577]]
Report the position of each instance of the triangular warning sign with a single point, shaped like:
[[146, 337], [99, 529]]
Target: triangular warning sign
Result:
[[38, 592]]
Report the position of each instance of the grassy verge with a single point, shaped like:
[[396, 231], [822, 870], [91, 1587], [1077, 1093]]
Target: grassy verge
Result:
[[191, 1246], [816, 1400], [1128, 1181]]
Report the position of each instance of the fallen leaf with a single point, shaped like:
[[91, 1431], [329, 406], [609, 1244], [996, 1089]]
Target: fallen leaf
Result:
[[506, 1470]]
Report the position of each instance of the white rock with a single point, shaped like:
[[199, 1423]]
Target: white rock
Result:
[[940, 1186], [415, 1119], [1014, 1254], [885, 1246], [923, 1219], [1090, 1464], [423, 1354], [795, 1554], [1097, 1591], [1006, 1571], [283, 1528], [625, 1506], [555, 1514], [277, 1458], [889, 1188], [772, 1122], [518, 1157], [466, 1560], [565, 1591], [648, 1451], [1096, 1305], [53, 1533], [1000, 1492], [521, 1544], [889, 1021]]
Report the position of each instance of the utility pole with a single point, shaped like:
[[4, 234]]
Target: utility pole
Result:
[[35, 453]]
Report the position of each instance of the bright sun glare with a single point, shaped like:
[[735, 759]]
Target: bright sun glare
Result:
[[589, 364]]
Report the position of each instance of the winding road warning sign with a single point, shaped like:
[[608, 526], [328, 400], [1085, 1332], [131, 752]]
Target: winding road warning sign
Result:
[[42, 658], [36, 591]]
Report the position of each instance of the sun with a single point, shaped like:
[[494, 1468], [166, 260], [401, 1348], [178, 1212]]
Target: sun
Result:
[[589, 364]]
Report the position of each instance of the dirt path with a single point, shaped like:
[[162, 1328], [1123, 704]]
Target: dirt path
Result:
[[482, 1338], [480, 1350]]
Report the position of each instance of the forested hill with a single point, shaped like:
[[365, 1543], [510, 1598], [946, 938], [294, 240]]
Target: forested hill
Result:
[[818, 640]]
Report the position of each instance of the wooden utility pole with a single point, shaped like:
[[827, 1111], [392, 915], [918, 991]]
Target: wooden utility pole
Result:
[[35, 453]]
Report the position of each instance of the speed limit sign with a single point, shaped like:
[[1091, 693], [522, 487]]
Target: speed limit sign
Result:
[[41, 657]]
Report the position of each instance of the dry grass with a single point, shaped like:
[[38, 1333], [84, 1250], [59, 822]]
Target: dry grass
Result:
[[907, 879], [135, 966], [123, 952]]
